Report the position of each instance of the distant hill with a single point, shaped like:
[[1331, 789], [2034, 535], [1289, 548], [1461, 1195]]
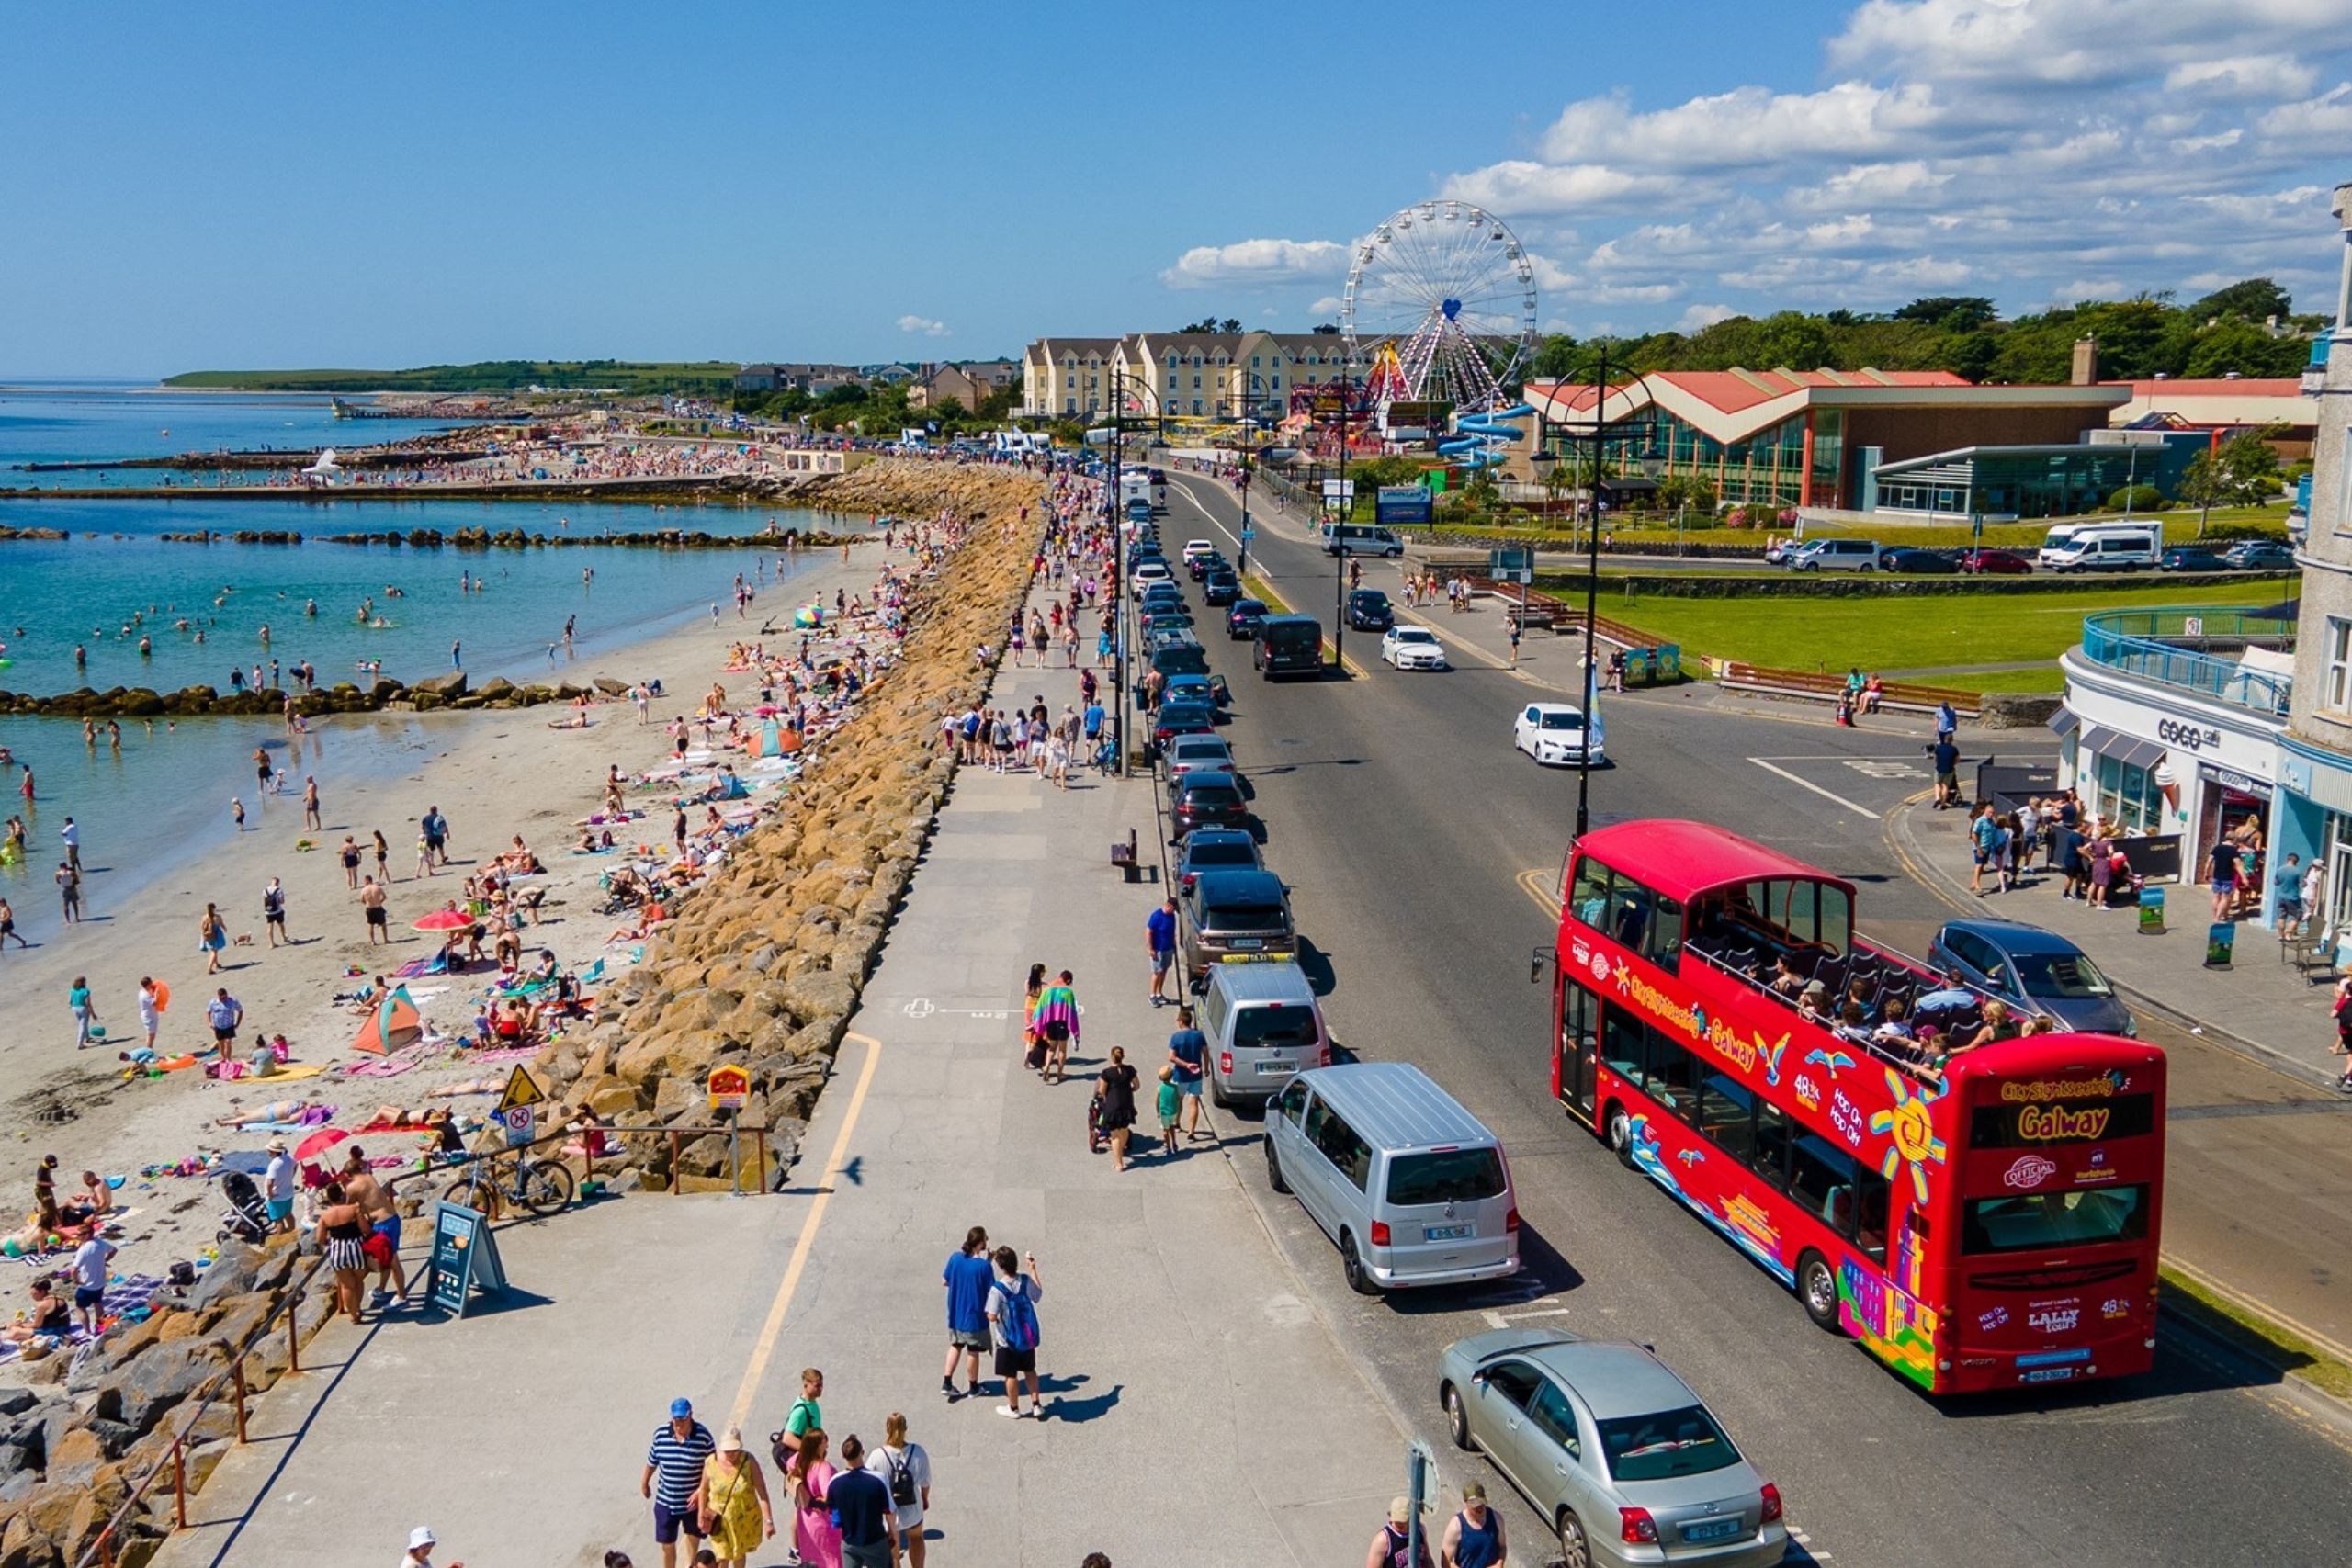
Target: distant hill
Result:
[[713, 377]]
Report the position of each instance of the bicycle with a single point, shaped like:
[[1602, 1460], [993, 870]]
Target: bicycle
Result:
[[544, 1187]]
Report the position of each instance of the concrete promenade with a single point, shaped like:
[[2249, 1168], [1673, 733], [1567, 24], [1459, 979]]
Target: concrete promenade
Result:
[[1200, 1410]]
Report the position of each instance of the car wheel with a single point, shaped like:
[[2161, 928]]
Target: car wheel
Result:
[[1575, 1551], [1817, 1289], [1870, 566], [1457, 1420], [1621, 1136], [1217, 1097], [1351, 1263], [1275, 1168]]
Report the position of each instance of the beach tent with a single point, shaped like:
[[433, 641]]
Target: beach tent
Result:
[[391, 1023]]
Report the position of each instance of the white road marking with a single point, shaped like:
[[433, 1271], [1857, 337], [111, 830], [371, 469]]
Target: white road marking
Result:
[[1808, 783], [1502, 1320], [1878, 769]]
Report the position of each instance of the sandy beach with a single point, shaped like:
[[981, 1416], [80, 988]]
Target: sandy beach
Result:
[[494, 774]]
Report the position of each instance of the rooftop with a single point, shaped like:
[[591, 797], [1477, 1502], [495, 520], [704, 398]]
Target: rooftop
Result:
[[1731, 405], [2223, 652]]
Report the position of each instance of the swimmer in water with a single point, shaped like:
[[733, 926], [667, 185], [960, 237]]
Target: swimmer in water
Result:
[[311, 607]]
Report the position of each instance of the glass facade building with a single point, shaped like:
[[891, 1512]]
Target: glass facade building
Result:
[[2027, 481]]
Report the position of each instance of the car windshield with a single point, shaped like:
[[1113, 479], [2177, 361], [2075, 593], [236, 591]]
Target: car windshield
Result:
[[2061, 976], [1184, 713], [1563, 721], [1661, 1447], [1445, 1175], [1414, 634], [2034, 1221], [1247, 917], [1278, 1026]]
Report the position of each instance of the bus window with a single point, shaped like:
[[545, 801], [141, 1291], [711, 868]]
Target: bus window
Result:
[[1579, 1016], [1869, 1214], [1629, 919], [1774, 1134], [1621, 1043], [1821, 1179], [2031, 1222], [1814, 912], [1665, 934], [1674, 1079], [1726, 1115], [1590, 902]]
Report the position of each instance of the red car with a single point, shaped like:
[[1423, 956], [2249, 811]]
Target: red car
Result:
[[2005, 563]]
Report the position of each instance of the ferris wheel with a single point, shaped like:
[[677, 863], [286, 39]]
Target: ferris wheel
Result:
[[1446, 286]]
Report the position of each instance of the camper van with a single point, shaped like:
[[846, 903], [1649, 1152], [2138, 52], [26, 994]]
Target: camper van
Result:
[[2101, 546]]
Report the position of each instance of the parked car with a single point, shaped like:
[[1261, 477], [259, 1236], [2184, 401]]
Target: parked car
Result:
[[1905, 557], [1209, 689], [2034, 971], [1172, 719], [1219, 586], [1833, 555], [1194, 754], [1241, 619], [1618, 1455], [1995, 563], [1553, 734], [1215, 849], [1232, 911], [1201, 566], [1151, 570], [1369, 611], [1163, 617], [2191, 557], [1206, 800], [1179, 655], [2260, 554], [1412, 647]]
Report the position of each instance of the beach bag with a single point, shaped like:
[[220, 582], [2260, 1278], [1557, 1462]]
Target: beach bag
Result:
[[1018, 1322], [1035, 1055], [902, 1482]]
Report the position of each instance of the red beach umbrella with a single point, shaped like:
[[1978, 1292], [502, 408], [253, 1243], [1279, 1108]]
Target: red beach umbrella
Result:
[[307, 1151], [444, 921]]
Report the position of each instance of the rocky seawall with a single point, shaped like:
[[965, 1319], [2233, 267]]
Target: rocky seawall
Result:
[[762, 968]]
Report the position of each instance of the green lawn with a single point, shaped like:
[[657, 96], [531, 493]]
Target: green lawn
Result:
[[1902, 633]]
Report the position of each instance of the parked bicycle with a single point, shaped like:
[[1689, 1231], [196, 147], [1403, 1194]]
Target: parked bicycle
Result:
[[543, 1187]]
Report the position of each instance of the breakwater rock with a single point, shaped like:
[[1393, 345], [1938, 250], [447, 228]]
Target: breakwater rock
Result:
[[763, 965], [448, 691]]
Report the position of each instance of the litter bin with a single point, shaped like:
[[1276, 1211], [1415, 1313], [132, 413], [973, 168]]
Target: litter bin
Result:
[[2152, 911]]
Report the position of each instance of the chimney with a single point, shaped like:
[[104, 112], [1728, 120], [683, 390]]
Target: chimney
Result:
[[2085, 362]]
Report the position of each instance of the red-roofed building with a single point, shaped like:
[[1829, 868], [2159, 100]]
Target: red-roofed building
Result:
[[1815, 437], [2225, 405]]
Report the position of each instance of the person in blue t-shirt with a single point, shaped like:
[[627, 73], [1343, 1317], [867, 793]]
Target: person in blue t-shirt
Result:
[[1188, 1051], [1159, 941], [967, 1279]]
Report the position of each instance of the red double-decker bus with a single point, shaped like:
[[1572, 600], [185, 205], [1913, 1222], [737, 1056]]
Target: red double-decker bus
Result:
[[1984, 1219]]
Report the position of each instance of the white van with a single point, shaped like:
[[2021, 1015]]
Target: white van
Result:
[[1264, 1028], [1411, 1188], [2104, 547], [1361, 539]]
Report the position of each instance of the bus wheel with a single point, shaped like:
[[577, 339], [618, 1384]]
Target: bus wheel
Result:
[[1817, 1288], [1621, 1136]]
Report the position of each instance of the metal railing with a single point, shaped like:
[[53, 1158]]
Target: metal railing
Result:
[[2189, 647]]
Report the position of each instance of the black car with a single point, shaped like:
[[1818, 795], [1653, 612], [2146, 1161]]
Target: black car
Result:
[[1179, 656], [2191, 557], [1368, 611], [1221, 587], [1206, 800], [1180, 718], [1903, 557], [1201, 566], [1242, 620], [2260, 556], [1215, 849]]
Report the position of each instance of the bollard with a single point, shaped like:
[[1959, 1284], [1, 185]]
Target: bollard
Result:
[[179, 1480], [674, 1165], [240, 1369], [760, 1139]]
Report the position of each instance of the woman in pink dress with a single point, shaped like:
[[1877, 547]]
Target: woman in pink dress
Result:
[[814, 1534]]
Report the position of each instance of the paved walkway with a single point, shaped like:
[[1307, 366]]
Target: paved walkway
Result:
[[1202, 1411]]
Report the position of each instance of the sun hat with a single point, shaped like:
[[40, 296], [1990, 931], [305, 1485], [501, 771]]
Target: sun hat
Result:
[[277, 1146], [421, 1536], [1400, 1510], [732, 1443], [681, 1408]]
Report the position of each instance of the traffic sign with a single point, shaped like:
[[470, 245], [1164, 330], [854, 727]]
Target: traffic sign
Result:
[[730, 1088], [1247, 535], [520, 1124], [521, 1089]]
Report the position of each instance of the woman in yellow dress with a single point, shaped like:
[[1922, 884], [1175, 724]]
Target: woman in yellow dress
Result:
[[734, 1501]]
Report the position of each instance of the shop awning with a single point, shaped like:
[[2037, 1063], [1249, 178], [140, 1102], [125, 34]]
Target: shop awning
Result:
[[2124, 748], [2066, 721]]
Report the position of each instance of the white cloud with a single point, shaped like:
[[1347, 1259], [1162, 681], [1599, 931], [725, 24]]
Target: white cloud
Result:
[[1257, 261], [1906, 182], [1327, 305], [2244, 76], [2213, 144], [1549, 274], [923, 324], [1517, 186], [2330, 114], [1746, 126], [1701, 316], [2072, 42]]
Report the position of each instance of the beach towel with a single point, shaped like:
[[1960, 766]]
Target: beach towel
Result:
[[416, 967]]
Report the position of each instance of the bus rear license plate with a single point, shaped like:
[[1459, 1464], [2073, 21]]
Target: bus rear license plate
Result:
[[1712, 1529], [1448, 1233], [2047, 1375]]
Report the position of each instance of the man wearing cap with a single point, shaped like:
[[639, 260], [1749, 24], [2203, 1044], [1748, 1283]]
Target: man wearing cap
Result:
[[1392, 1547], [1474, 1538], [673, 1468], [419, 1549], [278, 1186]]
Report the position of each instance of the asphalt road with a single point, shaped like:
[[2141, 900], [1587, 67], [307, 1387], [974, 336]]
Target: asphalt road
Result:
[[1417, 842]]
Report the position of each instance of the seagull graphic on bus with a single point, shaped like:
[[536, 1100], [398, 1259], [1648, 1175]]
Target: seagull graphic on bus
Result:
[[1741, 1222], [1835, 1061]]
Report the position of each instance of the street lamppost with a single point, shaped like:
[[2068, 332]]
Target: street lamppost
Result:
[[1115, 514], [1339, 554], [1653, 463]]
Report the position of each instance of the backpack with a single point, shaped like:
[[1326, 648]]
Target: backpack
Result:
[[1018, 1322], [902, 1480]]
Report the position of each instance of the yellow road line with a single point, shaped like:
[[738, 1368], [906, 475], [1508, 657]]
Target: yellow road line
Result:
[[1537, 885], [756, 1369], [1274, 600]]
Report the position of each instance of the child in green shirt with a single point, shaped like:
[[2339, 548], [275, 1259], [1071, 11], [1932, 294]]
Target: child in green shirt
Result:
[[1169, 1100]]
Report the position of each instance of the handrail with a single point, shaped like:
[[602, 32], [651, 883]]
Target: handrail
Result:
[[2148, 643], [101, 1549]]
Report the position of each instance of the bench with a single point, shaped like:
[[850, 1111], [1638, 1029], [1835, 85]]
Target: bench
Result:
[[2311, 948], [1532, 617], [1124, 857]]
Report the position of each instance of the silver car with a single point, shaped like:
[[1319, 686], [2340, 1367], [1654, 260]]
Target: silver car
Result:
[[1610, 1445]]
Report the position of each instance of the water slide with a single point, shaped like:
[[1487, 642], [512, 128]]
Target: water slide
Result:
[[1477, 439]]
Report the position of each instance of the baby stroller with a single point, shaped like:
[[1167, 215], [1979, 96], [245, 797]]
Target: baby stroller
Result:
[[247, 1218]]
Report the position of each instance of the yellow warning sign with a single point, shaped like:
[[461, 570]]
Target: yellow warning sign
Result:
[[730, 1088], [521, 1090]]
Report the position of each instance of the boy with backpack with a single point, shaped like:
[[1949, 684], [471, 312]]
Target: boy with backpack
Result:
[[1012, 1324], [805, 1416]]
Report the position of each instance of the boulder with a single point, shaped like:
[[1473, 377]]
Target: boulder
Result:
[[138, 1395], [445, 686], [231, 1274]]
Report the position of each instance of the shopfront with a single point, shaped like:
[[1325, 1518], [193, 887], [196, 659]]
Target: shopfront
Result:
[[2313, 819]]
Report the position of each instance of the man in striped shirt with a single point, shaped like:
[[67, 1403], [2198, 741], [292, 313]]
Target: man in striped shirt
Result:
[[673, 1471]]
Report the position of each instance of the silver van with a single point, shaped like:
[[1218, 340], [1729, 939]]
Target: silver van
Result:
[[1412, 1188], [1264, 1028], [1834, 555], [1361, 539]]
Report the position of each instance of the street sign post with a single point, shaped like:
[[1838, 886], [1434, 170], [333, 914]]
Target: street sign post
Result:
[[516, 1107], [729, 1089]]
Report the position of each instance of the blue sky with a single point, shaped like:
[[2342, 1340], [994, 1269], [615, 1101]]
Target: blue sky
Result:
[[276, 185]]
